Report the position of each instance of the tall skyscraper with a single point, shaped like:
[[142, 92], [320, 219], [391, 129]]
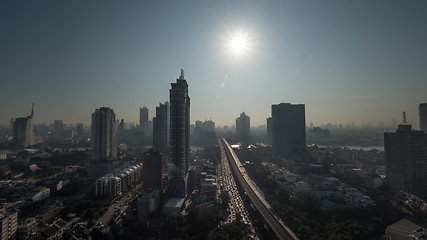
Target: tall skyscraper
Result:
[[161, 128], [12, 120], [423, 116], [23, 135], [103, 136], [288, 131], [143, 119], [406, 160], [179, 135], [270, 129], [152, 170], [80, 131], [243, 129], [58, 130]]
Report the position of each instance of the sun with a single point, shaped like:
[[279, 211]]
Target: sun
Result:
[[238, 45]]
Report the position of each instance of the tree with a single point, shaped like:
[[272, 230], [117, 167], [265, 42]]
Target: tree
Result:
[[282, 195], [308, 203], [234, 230]]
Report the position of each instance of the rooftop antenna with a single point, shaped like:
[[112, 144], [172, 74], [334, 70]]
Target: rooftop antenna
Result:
[[182, 74], [404, 118], [32, 110]]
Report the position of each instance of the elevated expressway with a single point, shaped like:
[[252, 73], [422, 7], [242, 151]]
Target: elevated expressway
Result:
[[281, 231]]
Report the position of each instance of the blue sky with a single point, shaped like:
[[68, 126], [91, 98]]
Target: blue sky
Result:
[[361, 61]]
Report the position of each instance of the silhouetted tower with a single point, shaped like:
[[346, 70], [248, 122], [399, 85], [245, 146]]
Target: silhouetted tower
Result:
[[161, 128], [80, 131], [270, 129], [12, 120], [103, 137], [179, 135], [288, 128], [58, 130], [23, 130], [423, 116], [143, 119], [406, 159], [243, 129], [152, 170]]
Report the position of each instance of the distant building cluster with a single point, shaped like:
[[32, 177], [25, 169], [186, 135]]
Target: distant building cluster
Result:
[[28, 206], [327, 187], [115, 164], [204, 134]]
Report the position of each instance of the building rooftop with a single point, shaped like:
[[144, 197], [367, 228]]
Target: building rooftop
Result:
[[405, 230], [174, 202]]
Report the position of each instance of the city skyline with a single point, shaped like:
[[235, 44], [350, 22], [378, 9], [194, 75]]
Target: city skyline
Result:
[[361, 62]]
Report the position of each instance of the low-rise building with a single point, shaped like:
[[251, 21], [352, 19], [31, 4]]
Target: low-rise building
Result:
[[174, 205], [53, 231], [37, 194], [8, 224], [405, 230], [27, 227], [108, 185]]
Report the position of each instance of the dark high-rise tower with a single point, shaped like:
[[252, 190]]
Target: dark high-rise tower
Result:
[[423, 116], [243, 129], [406, 160], [103, 137], [23, 130], [288, 130], [12, 120], [161, 128], [80, 131], [179, 134], [270, 129], [152, 170], [58, 130], [143, 119]]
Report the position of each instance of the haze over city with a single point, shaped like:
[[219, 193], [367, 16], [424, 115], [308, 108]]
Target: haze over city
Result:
[[346, 61], [209, 120]]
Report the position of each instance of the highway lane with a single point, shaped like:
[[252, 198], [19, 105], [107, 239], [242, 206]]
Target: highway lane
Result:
[[279, 228], [228, 184]]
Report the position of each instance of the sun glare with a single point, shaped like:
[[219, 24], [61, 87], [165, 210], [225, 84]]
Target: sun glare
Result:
[[238, 45]]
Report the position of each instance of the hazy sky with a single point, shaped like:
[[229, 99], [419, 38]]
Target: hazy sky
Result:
[[361, 61]]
